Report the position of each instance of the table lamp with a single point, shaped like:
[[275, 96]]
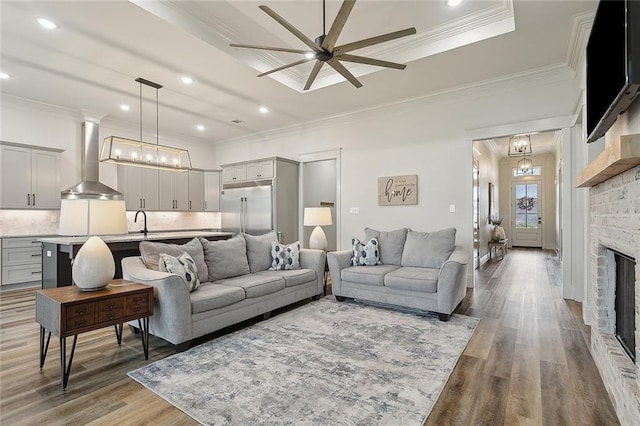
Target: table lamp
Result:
[[93, 265], [318, 217]]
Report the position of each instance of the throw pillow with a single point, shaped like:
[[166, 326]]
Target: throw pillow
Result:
[[428, 249], [184, 266], [259, 249], [365, 254], [150, 252], [285, 257], [225, 258], [391, 244]]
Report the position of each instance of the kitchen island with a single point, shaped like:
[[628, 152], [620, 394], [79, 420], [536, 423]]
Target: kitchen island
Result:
[[58, 252]]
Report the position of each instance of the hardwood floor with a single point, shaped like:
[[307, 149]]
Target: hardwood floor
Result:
[[528, 362]]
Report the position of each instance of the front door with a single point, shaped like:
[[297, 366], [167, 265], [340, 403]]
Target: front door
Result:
[[527, 220]]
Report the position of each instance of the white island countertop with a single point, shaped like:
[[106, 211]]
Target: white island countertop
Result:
[[125, 238]]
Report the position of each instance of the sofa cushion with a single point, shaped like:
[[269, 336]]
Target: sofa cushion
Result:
[[294, 277], [365, 254], [259, 250], [255, 285], [285, 257], [151, 250], [416, 279], [212, 296], [428, 249], [182, 265], [391, 244], [225, 258], [370, 275]]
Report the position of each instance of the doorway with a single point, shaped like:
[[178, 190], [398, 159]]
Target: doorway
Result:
[[320, 190], [526, 214], [476, 214]]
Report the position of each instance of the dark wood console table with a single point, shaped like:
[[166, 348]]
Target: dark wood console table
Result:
[[69, 311]]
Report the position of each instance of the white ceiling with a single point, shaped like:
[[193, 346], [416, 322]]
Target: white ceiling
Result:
[[541, 143], [91, 61]]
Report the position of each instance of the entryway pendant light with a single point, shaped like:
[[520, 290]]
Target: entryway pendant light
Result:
[[138, 153], [525, 166], [519, 145]]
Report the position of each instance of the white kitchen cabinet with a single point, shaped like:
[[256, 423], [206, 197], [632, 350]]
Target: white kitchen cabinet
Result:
[[21, 260], [29, 177], [260, 170], [212, 191], [235, 173], [139, 187], [173, 191], [196, 190]]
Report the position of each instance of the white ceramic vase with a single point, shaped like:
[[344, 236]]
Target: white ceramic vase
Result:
[[93, 265]]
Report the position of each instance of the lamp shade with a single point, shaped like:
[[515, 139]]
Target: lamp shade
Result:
[[92, 217], [317, 216]]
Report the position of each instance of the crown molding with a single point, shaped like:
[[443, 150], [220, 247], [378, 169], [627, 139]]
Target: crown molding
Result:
[[579, 35]]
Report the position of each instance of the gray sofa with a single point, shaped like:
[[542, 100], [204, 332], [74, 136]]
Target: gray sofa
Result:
[[416, 269], [235, 284]]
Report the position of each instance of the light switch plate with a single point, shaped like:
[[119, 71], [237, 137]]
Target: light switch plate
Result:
[[452, 208], [354, 210]]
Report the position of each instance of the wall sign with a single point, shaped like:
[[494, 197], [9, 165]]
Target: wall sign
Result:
[[398, 190]]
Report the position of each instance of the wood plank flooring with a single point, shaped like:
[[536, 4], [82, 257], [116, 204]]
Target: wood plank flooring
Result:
[[528, 362]]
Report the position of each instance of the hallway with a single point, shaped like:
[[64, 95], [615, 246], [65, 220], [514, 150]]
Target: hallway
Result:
[[529, 361]]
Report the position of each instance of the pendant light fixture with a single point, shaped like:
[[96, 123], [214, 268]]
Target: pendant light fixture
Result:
[[519, 145], [138, 153], [525, 166]]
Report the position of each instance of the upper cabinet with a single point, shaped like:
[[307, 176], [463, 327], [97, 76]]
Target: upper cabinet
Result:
[[174, 190], [29, 177], [234, 173], [139, 187], [211, 191], [196, 191], [260, 170]]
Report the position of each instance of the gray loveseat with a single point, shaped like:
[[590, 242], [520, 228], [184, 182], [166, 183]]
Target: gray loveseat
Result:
[[417, 269], [235, 284]]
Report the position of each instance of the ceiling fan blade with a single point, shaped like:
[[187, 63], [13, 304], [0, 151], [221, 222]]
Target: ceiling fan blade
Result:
[[306, 40], [292, 64], [336, 65], [369, 61], [313, 75], [277, 49], [336, 28], [373, 40]]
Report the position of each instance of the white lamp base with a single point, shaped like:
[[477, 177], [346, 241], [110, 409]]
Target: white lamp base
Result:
[[318, 239], [93, 266]]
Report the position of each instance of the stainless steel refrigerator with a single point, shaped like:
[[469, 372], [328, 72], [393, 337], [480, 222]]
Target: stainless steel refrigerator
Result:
[[247, 209]]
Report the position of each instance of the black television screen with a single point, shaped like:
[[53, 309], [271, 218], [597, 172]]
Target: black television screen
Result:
[[613, 64]]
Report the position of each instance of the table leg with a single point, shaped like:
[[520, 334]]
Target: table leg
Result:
[[143, 324], [118, 328], [65, 370], [43, 347]]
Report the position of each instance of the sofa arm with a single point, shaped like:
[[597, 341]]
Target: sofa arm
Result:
[[338, 260], [315, 260], [452, 280], [171, 319]]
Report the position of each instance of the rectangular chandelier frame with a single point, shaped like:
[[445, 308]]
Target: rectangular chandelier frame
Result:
[[129, 152]]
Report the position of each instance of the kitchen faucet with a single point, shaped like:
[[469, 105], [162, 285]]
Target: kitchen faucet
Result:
[[135, 219]]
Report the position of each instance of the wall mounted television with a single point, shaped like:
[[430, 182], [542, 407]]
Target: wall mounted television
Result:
[[613, 64]]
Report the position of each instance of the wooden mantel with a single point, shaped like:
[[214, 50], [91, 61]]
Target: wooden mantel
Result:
[[622, 154]]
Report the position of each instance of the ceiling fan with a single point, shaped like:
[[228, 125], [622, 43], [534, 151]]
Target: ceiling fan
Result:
[[324, 50]]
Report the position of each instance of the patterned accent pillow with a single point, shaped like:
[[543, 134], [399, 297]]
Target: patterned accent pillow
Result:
[[182, 265], [285, 257], [365, 254]]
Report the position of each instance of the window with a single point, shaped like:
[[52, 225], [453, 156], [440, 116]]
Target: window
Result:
[[535, 171], [526, 208]]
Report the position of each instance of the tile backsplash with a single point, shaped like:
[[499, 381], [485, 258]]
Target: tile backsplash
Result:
[[45, 222]]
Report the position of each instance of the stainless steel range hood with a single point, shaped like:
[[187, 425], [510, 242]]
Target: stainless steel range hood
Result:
[[89, 187]]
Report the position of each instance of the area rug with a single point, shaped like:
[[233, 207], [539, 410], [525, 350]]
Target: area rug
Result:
[[324, 363]]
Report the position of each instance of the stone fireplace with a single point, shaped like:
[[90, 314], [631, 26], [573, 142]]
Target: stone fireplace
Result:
[[615, 227]]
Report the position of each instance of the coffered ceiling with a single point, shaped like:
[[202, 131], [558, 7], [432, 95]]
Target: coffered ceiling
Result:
[[90, 62]]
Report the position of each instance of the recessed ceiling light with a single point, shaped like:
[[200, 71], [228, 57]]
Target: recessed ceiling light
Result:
[[454, 3], [186, 79], [200, 127], [47, 24], [125, 107], [264, 109], [4, 75]]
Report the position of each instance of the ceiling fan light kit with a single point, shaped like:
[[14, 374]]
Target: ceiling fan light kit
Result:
[[324, 49]]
